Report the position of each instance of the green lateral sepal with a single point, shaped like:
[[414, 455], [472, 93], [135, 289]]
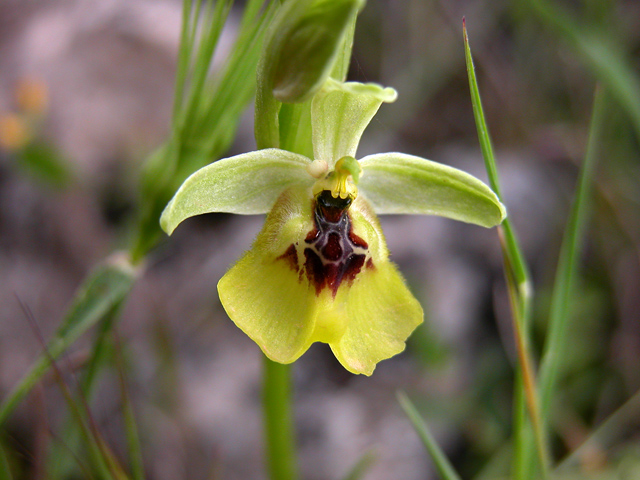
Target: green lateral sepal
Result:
[[400, 183], [245, 184]]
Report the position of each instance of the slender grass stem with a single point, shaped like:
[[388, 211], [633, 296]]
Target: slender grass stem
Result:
[[613, 429], [5, 470], [278, 421], [131, 428], [551, 363], [518, 281], [441, 462], [524, 360]]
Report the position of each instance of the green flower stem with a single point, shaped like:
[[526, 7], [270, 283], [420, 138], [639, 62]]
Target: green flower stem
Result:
[[278, 421]]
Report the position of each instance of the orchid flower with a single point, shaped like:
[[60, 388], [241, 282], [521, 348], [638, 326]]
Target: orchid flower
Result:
[[319, 271]]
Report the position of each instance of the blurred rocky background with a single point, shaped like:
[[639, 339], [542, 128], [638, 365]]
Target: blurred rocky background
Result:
[[89, 86]]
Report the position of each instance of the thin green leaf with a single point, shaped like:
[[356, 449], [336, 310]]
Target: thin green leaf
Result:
[[520, 293], [617, 427], [213, 24], [361, 468], [400, 183], [107, 287], [248, 183], [607, 60], [441, 462], [206, 120], [232, 89], [103, 460], [5, 470], [131, 428], [516, 258], [183, 58], [59, 463], [553, 355]]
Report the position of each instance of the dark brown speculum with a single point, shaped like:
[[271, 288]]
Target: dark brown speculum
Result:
[[331, 253]]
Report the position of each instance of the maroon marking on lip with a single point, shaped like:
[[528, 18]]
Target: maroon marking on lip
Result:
[[356, 240], [332, 249], [312, 235], [331, 214], [352, 267], [291, 257], [334, 253], [315, 269]]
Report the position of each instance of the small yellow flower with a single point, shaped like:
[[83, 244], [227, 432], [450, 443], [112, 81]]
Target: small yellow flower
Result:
[[14, 132], [319, 271]]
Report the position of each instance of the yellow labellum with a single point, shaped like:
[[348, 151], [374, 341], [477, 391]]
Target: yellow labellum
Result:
[[319, 272]]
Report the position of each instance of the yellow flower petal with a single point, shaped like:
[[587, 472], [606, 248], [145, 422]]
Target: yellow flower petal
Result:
[[382, 314], [301, 283], [263, 295], [381, 310]]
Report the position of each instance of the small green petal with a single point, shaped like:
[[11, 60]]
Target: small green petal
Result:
[[339, 114], [245, 184], [263, 295], [399, 183]]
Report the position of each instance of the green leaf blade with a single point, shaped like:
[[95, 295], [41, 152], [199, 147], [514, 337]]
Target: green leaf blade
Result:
[[441, 462], [102, 292], [529, 435], [559, 317]]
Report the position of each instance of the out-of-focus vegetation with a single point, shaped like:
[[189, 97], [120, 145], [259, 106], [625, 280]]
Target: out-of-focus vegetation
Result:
[[173, 394]]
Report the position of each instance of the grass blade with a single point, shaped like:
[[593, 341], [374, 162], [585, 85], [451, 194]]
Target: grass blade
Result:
[[59, 464], [106, 288], [104, 462], [605, 58], [441, 462], [206, 116], [131, 427], [551, 362], [362, 466], [5, 470], [520, 293], [615, 428]]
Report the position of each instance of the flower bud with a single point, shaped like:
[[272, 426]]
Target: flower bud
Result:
[[303, 44]]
